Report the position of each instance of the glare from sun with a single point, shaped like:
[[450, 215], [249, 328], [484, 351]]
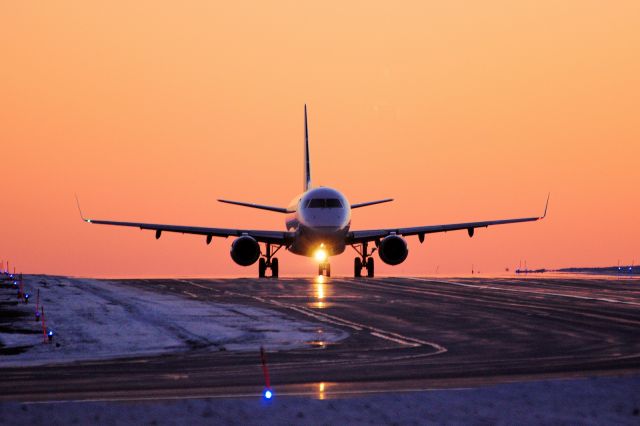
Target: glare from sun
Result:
[[320, 290], [321, 390]]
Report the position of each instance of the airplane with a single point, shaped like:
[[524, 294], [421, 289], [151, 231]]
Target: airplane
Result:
[[318, 225]]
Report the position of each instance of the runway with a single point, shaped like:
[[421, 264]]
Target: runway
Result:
[[404, 334]]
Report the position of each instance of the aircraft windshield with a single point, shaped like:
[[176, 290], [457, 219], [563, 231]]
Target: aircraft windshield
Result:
[[321, 203]]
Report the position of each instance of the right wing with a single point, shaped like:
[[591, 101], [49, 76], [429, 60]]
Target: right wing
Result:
[[273, 237]]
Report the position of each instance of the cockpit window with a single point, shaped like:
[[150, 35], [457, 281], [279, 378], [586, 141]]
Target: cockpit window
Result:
[[321, 203], [333, 202]]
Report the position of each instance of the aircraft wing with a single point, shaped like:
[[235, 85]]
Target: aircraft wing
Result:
[[356, 237], [274, 237]]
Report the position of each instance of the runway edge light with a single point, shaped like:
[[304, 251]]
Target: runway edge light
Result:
[[268, 392]]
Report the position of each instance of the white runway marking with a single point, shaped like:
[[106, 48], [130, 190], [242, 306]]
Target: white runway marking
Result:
[[332, 319], [188, 293]]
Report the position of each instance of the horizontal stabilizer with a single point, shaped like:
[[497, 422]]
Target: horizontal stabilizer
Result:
[[257, 206], [370, 203]]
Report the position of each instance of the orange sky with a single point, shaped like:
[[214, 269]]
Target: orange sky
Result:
[[460, 110]]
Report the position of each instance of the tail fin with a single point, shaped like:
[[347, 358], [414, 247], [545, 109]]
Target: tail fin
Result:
[[307, 161]]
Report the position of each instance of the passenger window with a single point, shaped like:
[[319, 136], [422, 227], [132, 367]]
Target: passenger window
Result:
[[333, 202], [316, 203]]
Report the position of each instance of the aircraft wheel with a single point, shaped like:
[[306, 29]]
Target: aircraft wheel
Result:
[[370, 267], [274, 267], [262, 267], [357, 267], [324, 269]]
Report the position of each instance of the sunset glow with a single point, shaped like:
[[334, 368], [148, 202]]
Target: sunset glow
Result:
[[460, 111]]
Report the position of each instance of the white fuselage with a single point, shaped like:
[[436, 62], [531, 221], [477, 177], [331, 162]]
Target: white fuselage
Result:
[[320, 216]]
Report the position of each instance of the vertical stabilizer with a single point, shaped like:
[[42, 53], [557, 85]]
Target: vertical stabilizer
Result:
[[307, 161]]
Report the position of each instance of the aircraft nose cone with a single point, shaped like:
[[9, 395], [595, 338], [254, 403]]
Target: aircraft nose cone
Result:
[[325, 219]]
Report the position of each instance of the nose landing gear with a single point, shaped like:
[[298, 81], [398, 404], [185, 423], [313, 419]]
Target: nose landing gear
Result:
[[324, 269], [364, 261], [269, 262]]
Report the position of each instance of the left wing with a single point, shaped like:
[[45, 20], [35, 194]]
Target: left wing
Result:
[[356, 237]]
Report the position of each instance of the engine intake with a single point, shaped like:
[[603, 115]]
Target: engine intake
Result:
[[393, 250], [245, 250]]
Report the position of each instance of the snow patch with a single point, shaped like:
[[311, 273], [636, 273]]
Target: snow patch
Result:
[[101, 319]]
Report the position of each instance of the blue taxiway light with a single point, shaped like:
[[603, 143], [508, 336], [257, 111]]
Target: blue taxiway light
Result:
[[50, 333], [268, 394]]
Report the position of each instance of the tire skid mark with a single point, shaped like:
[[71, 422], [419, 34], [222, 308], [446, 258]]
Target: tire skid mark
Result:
[[514, 290], [424, 291]]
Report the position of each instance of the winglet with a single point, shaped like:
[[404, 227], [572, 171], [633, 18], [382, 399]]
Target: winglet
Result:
[[546, 206], [80, 210]]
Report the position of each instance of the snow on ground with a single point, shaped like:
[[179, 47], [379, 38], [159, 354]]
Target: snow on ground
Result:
[[595, 401], [101, 319]]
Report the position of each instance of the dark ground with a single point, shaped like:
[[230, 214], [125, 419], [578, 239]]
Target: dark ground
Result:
[[405, 333]]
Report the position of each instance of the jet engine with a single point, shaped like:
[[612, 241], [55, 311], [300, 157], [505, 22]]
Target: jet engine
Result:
[[393, 250], [245, 250]]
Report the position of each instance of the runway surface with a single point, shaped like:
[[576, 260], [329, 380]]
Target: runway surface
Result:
[[405, 334]]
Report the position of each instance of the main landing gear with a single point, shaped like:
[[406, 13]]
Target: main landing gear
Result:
[[364, 261], [269, 262]]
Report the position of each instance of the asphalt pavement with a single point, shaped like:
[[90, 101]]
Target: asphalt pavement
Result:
[[404, 334]]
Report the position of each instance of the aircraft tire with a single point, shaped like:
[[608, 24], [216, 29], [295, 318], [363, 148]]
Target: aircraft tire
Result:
[[370, 268], [262, 267], [357, 267], [275, 266]]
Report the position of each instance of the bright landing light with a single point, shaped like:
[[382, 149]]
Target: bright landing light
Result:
[[320, 255]]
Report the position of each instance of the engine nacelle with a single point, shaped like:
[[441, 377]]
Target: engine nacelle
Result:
[[393, 250], [245, 250]]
